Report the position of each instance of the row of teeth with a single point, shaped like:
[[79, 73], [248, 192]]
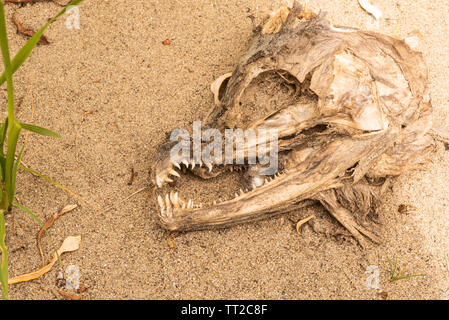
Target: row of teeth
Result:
[[173, 201], [173, 172], [192, 163]]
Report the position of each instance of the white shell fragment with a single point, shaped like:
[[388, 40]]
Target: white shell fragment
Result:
[[371, 9]]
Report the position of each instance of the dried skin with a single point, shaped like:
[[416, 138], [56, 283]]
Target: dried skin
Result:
[[352, 108]]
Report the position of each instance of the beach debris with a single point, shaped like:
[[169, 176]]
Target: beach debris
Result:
[[371, 9], [131, 178], [60, 281], [71, 243], [302, 222], [383, 294], [72, 281], [127, 198], [28, 32], [82, 289], [171, 244], [49, 223], [68, 295], [166, 42], [406, 209]]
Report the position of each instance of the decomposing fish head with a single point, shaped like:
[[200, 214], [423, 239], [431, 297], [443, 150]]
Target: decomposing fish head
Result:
[[350, 108]]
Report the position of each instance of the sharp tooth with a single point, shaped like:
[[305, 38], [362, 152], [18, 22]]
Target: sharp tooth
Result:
[[201, 163], [174, 172], [177, 165], [167, 202], [214, 202], [209, 165], [176, 200], [183, 205], [266, 180], [167, 179], [193, 163], [242, 192], [185, 162], [161, 202], [236, 195], [172, 197], [190, 204]]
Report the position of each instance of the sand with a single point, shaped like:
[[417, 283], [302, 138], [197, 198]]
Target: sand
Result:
[[113, 91]]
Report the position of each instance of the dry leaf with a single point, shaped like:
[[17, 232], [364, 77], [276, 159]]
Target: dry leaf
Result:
[[28, 32], [49, 223], [68, 295], [70, 244]]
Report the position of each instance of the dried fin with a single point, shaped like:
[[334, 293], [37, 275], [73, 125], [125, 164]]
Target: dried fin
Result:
[[329, 200]]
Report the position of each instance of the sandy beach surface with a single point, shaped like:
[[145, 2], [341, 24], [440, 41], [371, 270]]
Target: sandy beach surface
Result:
[[113, 90]]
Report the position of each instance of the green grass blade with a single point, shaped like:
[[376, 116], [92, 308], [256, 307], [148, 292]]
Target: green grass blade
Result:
[[7, 63], [13, 137], [407, 277], [3, 130], [25, 51], [34, 172], [4, 201], [40, 130], [14, 174], [4, 257], [3, 135]]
